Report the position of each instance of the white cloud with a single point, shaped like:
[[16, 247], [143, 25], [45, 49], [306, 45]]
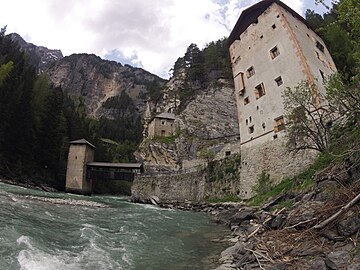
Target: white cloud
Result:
[[151, 33]]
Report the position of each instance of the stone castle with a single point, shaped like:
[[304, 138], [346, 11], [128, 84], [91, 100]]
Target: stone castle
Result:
[[271, 48]]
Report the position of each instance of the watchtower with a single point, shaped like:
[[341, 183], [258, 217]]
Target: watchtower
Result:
[[80, 153]]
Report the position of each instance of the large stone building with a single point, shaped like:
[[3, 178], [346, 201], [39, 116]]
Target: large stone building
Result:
[[271, 48]]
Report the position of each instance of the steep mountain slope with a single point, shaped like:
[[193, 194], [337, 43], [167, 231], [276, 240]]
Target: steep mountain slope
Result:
[[96, 81], [201, 94], [41, 57]]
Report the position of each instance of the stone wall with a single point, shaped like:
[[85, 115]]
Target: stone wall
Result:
[[169, 187], [273, 158], [221, 178]]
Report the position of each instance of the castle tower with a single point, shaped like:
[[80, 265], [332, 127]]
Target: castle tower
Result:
[[80, 153], [272, 48]]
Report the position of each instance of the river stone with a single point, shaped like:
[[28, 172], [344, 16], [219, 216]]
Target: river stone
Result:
[[340, 258], [349, 224], [318, 264], [242, 215], [277, 222], [303, 213]]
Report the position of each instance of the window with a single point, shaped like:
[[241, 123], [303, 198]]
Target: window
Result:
[[250, 72], [227, 153], [274, 52], [241, 84], [273, 26], [279, 81], [163, 133], [280, 124], [246, 100], [320, 46], [263, 125], [163, 122], [251, 129], [259, 91]]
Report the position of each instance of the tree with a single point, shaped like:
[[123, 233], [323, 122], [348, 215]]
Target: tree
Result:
[[309, 122], [339, 28], [344, 97]]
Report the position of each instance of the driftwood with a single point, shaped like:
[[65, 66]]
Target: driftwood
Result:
[[300, 223], [338, 213]]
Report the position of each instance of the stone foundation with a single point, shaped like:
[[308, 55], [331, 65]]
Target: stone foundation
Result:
[[272, 158]]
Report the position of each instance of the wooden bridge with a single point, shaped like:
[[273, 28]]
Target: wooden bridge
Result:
[[82, 170], [112, 171]]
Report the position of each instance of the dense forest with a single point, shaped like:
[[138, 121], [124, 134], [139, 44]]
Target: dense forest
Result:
[[38, 120]]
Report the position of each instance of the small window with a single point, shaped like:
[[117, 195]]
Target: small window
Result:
[[250, 72], [247, 122], [246, 100], [259, 91], [273, 26], [279, 81], [227, 153], [320, 46], [163, 122], [250, 119], [251, 129], [263, 125], [163, 132], [274, 52], [262, 36], [280, 124]]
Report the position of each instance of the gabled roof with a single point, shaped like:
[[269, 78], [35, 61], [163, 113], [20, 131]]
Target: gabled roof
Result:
[[83, 141], [165, 115], [251, 14]]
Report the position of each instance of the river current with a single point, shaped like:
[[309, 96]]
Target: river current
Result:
[[48, 231]]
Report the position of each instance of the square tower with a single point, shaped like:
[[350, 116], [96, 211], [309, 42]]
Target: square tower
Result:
[[81, 152], [272, 48]]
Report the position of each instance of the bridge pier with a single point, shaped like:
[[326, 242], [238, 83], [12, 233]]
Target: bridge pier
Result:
[[81, 152]]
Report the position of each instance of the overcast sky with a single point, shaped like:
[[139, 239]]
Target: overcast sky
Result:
[[146, 33]]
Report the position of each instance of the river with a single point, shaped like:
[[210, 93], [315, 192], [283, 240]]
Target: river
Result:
[[46, 231]]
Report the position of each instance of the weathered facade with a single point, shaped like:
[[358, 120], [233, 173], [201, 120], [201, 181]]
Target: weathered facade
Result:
[[162, 125], [272, 48], [81, 152]]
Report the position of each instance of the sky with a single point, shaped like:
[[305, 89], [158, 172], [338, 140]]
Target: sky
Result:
[[150, 34]]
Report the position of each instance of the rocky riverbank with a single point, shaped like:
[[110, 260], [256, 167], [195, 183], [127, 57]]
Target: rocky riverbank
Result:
[[318, 228]]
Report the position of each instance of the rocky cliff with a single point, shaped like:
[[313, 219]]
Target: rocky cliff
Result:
[[96, 81], [204, 126], [41, 57]]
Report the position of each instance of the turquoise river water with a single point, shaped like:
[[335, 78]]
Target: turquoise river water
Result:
[[48, 231]]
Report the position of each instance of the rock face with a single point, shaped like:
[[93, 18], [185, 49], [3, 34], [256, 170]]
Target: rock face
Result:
[[41, 57], [204, 126], [96, 80]]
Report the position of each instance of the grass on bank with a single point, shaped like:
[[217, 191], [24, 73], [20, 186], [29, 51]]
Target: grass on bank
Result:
[[345, 145]]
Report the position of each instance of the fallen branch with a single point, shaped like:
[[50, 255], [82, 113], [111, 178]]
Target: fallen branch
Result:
[[338, 213], [300, 223], [254, 232], [256, 253]]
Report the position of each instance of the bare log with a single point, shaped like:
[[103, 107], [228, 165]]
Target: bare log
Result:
[[338, 213]]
